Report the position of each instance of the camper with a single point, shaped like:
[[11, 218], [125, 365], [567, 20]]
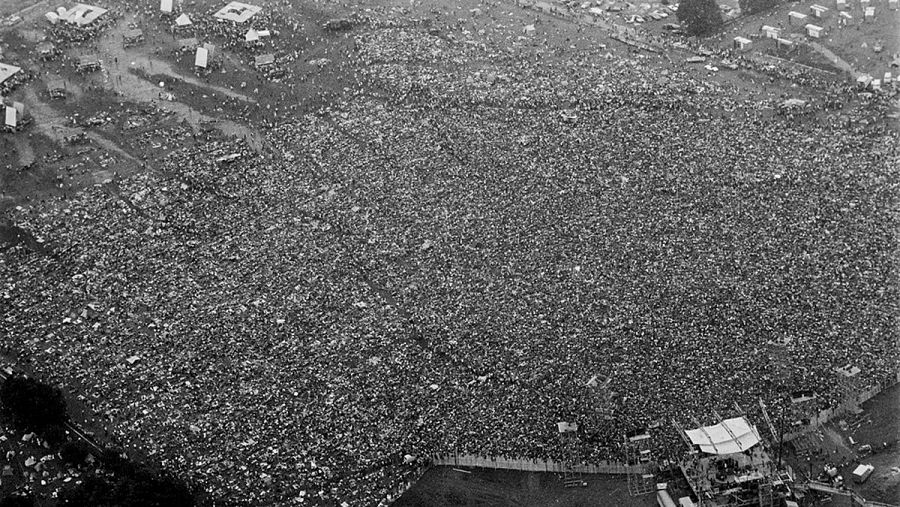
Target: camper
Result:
[[132, 37], [56, 87], [88, 63]]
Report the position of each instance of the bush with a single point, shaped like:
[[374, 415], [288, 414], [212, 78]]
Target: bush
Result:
[[700, 17], [140, 489], [17, 501], [74, 452], [32, 404]]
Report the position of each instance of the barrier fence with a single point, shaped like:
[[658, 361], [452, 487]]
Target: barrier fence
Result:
[[823, 416], [604, 467]]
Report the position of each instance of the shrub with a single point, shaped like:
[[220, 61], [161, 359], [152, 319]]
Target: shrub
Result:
[[74, 452]]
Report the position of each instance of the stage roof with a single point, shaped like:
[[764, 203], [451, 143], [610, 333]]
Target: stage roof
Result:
[[728, 437]]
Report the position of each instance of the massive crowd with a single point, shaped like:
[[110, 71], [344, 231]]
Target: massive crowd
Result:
[[446, 272]]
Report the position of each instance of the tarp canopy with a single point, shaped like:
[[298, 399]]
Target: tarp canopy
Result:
[[263, 60], [7, 71], [237, 12], [82, 14], [728, 437], [566, 427]]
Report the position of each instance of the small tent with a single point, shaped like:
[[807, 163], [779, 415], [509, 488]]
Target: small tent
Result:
[[201, 58], [862, 472], [11, 119], [166, 6]]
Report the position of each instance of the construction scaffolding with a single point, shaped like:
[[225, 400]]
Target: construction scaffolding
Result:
[[572, 476], [641, 464]]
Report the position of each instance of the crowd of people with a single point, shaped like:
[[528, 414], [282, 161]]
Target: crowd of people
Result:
[[461, 267]]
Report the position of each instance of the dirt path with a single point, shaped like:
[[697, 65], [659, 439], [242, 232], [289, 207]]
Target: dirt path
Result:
[[110, 48]]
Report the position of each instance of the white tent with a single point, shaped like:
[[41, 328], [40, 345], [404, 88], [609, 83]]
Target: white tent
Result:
[[251, 35], [183, 20], [82, 14], [165, 6], [728, 437], [7, 71], [237, 12], [566, 427], [862, 473], [10, 117], [201, 57]]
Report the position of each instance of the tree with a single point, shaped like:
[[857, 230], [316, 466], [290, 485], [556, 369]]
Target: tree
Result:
[[74, 452], [700, 17], [33, 405], [754, 6]]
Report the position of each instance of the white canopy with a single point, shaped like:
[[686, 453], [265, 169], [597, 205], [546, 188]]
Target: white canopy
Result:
[[728, 437], [183, 20], [201, 57], [10, 116], [165, 5], [251, 35], [82, 14], [7, 71], [566, 427], [237, 12]]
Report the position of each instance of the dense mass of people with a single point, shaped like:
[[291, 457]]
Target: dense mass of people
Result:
[[461, 267]]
